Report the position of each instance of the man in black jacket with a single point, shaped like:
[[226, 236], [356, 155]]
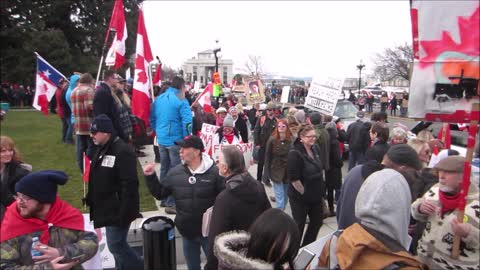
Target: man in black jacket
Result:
[[103, 102], [236, 207], [358, 138], [194, 184], [266, 124], [113, 191]]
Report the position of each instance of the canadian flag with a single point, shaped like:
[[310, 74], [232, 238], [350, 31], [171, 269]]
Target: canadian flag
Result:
[[204, 99], [143, 56], [116, 53]]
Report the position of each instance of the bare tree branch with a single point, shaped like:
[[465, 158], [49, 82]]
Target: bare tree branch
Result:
[[254, 66], [394, 63]]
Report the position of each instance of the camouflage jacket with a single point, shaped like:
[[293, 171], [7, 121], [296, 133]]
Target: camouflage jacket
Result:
[[15, 253]]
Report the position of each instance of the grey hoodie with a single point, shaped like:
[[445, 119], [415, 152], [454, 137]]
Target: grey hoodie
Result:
[[383, 205]]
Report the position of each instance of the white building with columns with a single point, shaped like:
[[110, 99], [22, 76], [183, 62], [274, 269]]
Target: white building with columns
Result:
[[201, 68]]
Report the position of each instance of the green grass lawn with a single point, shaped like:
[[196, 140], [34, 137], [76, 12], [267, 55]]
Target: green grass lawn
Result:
[[37, 137]]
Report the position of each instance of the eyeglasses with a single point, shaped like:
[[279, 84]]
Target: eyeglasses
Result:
[[22, 198], [269, 110], [282, 126], [310, 137]]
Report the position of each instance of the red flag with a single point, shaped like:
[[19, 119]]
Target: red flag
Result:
[[157, 78], [204, 98], [116, 54], [448, 140], [86, 168], [143, 56]]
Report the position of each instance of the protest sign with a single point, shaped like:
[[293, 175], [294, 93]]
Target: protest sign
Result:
[[207, 133], [323, 95], [285, 94], [254, 92], [245, 148], [446, 69], [104, 258]]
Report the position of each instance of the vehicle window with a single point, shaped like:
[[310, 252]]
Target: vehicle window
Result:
[[345, 110]]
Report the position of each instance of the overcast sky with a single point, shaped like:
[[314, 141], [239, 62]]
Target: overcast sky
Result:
[[297, 38]]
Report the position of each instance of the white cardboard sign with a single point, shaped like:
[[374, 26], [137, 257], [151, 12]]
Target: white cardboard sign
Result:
[[323, 95]]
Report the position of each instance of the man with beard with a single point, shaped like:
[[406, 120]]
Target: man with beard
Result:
[[39, 212], [113, 191]]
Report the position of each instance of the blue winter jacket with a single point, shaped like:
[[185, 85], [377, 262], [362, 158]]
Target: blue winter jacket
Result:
[[171, 117], [73, 83]]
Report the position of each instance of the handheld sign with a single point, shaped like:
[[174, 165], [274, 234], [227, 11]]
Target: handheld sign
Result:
[[285, 94], [323, 95]]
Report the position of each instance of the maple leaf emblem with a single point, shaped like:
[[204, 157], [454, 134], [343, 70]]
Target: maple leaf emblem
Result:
[[469, 33], [140, 65]]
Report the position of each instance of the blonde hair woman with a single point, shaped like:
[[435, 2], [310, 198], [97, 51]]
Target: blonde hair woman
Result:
[[423, 150]]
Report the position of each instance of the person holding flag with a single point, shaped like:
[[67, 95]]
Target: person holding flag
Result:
[[438, 207]]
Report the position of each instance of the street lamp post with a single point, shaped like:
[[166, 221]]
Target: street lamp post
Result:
[[360, 67], [215, 51]]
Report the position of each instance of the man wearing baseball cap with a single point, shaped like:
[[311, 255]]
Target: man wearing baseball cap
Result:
[[438, 207], [39, 212], [194, 184], [113, 191]]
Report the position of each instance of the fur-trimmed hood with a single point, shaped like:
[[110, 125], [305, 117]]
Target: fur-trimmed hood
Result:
[[230, 249]]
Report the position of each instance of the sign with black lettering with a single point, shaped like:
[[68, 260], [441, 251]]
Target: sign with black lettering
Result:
[[323, 95]]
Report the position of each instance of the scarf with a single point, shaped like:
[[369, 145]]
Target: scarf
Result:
[[449, 202], [229, 137], [61, 214]]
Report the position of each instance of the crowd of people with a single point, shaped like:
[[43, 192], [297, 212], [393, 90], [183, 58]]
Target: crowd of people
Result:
[[387, 101], [396, 207]]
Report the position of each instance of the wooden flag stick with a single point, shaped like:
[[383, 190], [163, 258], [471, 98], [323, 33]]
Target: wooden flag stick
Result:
[[472, 132]]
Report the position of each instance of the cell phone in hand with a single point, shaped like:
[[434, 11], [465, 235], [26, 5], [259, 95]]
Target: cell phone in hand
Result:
[[303, 259]]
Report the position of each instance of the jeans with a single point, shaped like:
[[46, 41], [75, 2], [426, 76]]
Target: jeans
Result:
[[355, 158], [191, 251], [64, 129], [280, 191], [125, 257], [169, 158], [84, 142], [300, 210], [69, 135]]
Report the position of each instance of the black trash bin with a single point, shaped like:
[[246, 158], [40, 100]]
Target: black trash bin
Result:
[[159, 243]]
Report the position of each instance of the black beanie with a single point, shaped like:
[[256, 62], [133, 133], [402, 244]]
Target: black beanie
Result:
[[404, 154], [42, 185], [101, 123], [315, 118]]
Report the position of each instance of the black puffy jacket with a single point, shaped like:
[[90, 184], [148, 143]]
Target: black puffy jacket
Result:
[[192, 197], [113, 186]]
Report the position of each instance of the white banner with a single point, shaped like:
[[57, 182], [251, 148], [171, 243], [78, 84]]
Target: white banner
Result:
[[323, 95], [245, 148], [207, 133], [285, 94], [104, 258]]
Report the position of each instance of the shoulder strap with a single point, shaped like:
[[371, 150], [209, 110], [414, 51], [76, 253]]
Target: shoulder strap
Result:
[[333, 262]]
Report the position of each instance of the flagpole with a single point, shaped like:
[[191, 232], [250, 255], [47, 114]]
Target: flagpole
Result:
[[150, 82], [472, 133]]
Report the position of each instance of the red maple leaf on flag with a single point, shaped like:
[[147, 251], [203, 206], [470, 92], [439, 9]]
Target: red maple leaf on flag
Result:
[[469, 33], [139, 65]]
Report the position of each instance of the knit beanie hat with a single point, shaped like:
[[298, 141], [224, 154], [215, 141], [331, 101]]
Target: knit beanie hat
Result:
[[404, 154], [42, 185], [101, 123], [315, 118], [228, 121]]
